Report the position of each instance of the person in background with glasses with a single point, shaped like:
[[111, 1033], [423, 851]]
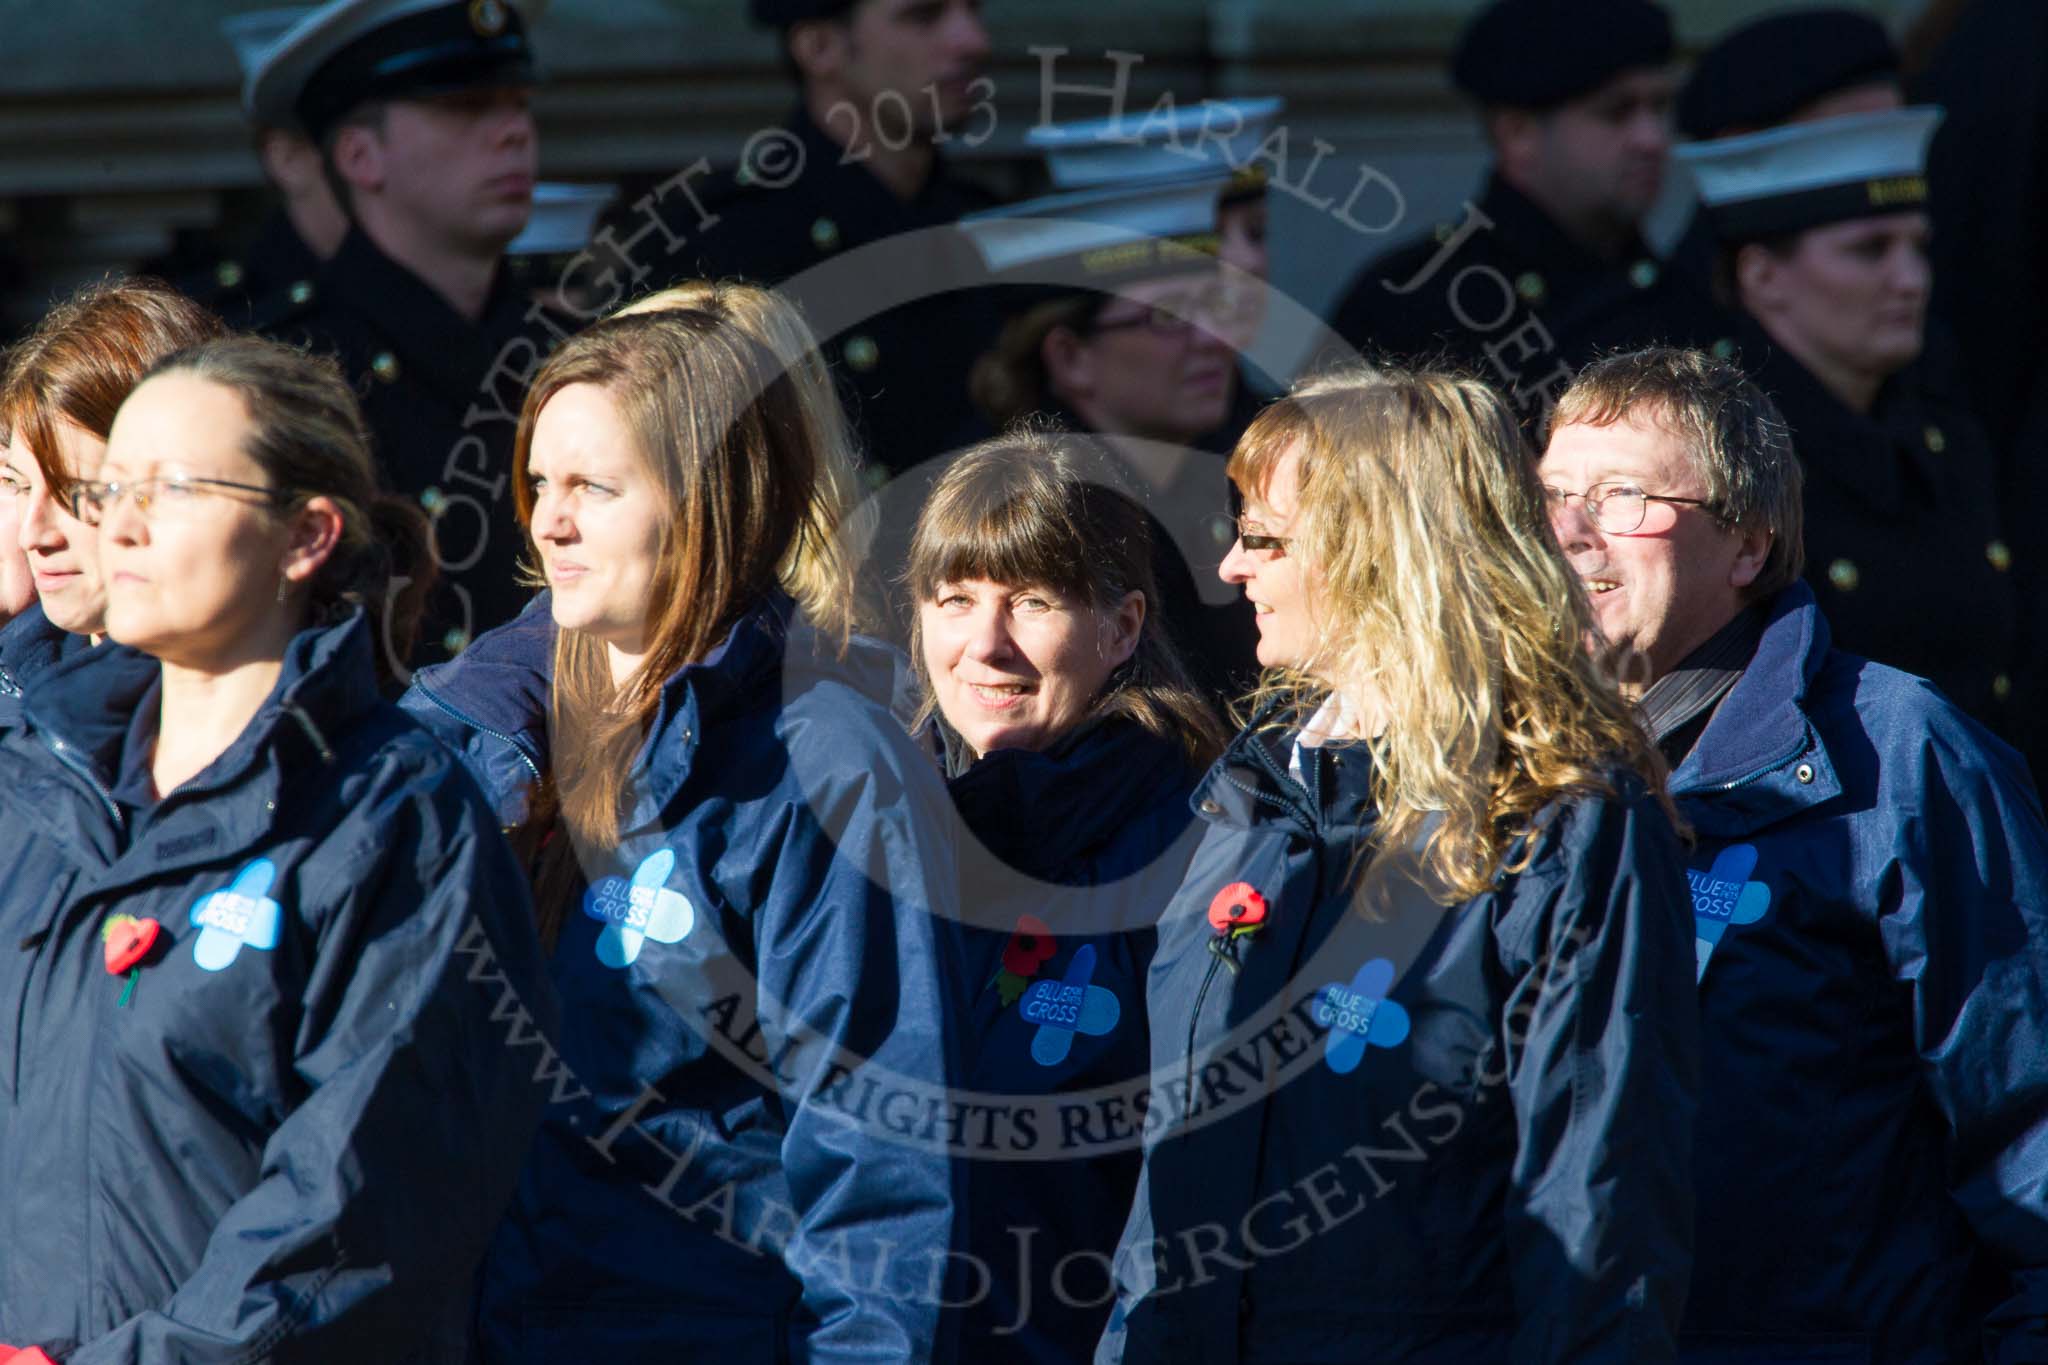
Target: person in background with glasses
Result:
[[1869, 897], [62, 386], [260, 1106], [1119, 326], [1423, 1040]]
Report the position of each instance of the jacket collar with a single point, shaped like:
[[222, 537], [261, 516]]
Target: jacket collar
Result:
[[1858, 454], [1760, 758], [445, 348], [1042, 812], [859, 197], [500, 684], [29, 645], [1522, 226], [739, 672], [1250, 784], [85, 707]]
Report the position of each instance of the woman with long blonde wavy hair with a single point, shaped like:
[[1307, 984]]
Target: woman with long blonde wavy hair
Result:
[[1424, 1048]]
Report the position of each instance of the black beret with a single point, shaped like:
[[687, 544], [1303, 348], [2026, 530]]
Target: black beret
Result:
[[1536, 54], [397, 49], [1763, 73], [783, 13]]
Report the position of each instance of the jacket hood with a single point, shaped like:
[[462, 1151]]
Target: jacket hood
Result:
[[500, 683]]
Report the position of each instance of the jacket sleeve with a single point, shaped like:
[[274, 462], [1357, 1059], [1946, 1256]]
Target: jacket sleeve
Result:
[[379, 1189], [1965, 925], [854, 976], [1601, 1056]]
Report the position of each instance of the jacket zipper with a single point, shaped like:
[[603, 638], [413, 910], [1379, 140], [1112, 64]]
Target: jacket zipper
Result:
[[1195, 1020], [513, 744], [64, 756], [1805, 743]]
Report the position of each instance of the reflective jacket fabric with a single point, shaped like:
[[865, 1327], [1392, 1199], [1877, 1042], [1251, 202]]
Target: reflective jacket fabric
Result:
[[1871, 892], [756, 1038], [1068, 857], [28, 645], [1394, 1131], [289, 1132]]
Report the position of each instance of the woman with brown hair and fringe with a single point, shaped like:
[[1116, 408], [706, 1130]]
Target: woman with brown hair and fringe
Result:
[[737, 873], [1072, 740], [63, 384], [1424, 1049]]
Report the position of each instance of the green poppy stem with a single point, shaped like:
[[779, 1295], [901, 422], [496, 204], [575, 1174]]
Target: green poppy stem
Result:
[[134, 975]]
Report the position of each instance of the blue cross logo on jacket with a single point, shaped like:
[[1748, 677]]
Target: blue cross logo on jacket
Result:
[[1724, 895], [1359, 1016], [242, 916], [1062, 1008], [633, 912]]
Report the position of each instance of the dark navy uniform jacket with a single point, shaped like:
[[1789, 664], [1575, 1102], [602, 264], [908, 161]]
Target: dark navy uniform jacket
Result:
[[29, 644], [1516, 301], [1068, 856], [1410, 1132], [1902, 528], [903, 348], [745, 1155], [1871, 892], [275, 270], [441, 395], [290, 1131]]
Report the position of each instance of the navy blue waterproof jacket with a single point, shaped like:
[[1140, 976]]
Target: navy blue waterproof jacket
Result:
[[490, 704], [745, 1158], [1871, 893], [29, 644], [1411, 1132], [1069, 857], [289, 1133]]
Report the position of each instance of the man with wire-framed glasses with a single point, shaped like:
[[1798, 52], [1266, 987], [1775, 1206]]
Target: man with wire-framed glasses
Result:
[[1869, 893]]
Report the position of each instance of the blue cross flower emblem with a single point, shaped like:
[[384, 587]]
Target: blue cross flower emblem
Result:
[[1359, 1016], [242, 916], [1724, 895], [1067, 1006], [633, 912]]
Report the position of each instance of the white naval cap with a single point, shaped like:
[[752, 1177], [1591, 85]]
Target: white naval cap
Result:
[[253, 33], [1096, 238], [348, 51], [1805, 175], [563, 217], [1162, 143]]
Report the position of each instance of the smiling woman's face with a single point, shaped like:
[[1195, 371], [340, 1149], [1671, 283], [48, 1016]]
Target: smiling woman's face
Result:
[[1020, 667]]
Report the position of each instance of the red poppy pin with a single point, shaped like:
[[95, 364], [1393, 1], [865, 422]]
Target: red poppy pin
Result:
[[1028, 950], [126, 941], [1237, 910]]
